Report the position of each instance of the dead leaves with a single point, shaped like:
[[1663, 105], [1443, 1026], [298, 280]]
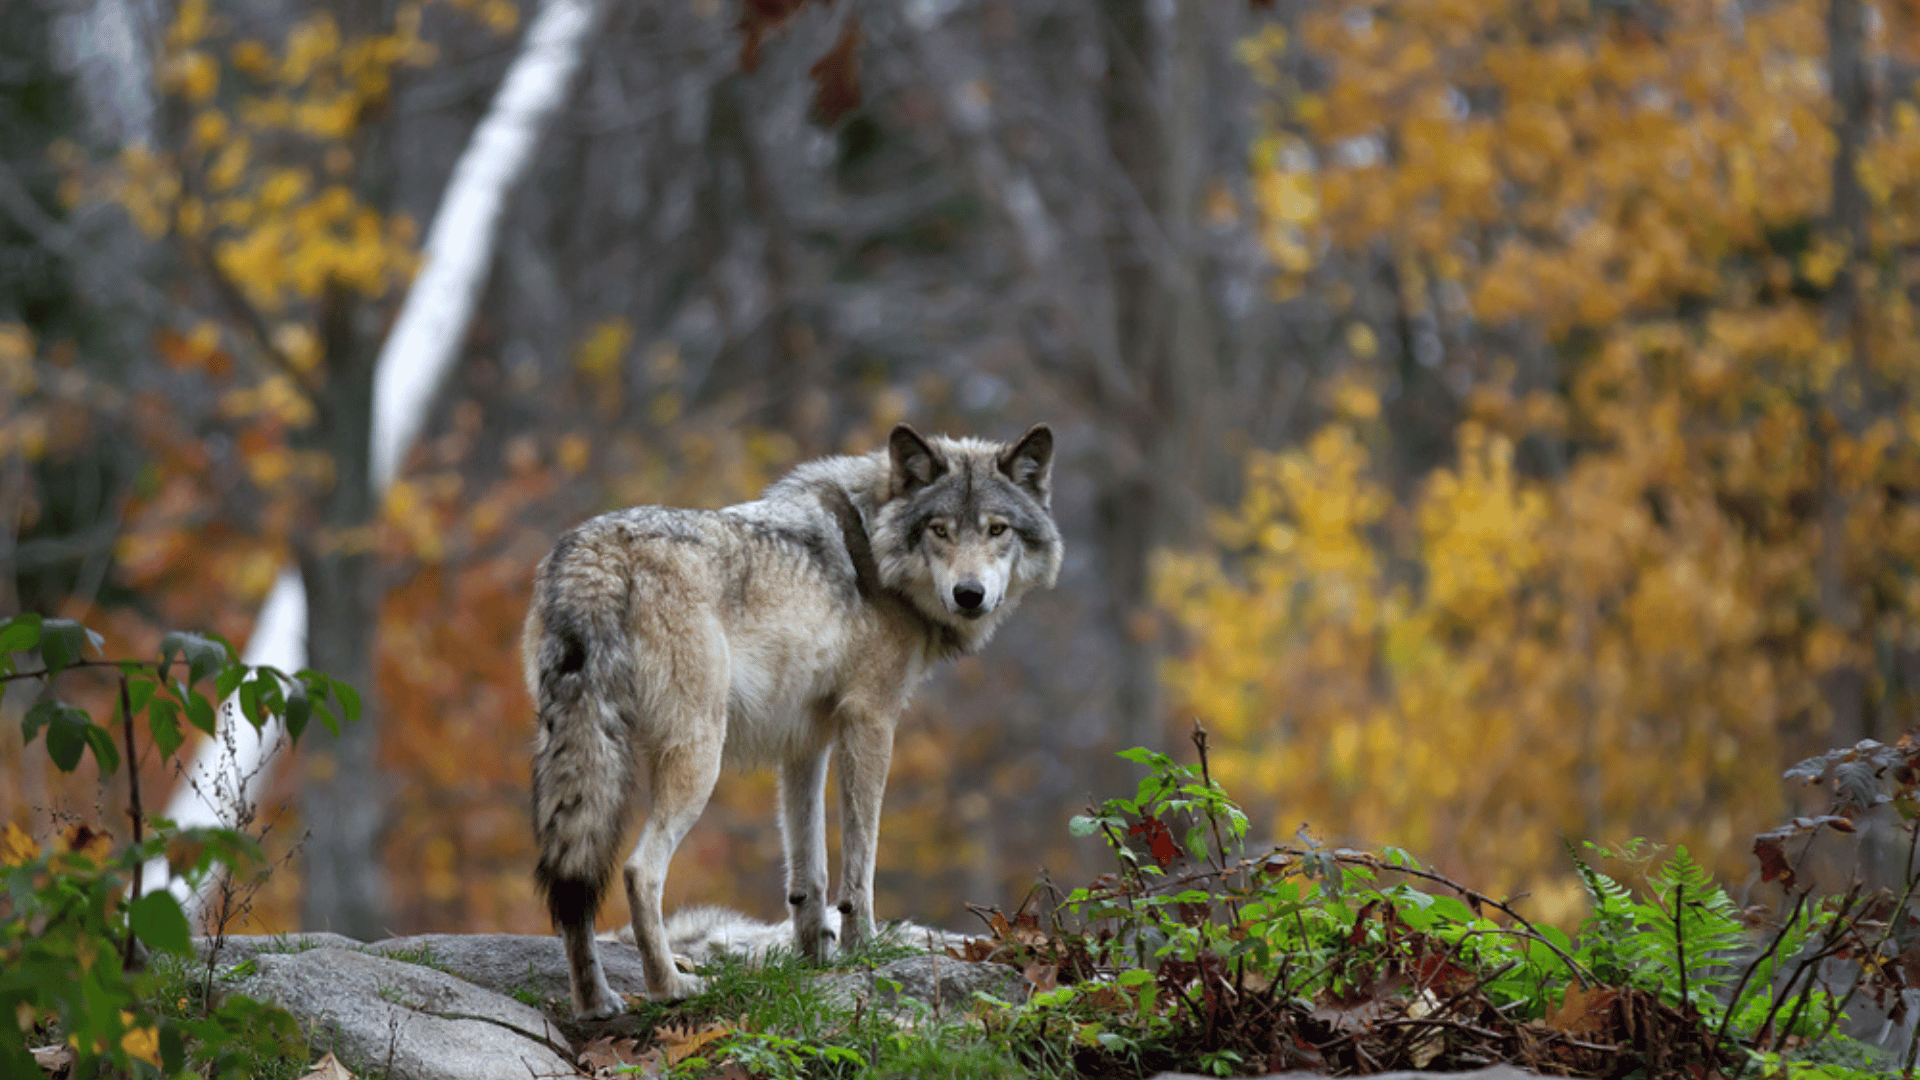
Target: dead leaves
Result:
[[621, 1056], [609, 1057], [1584, 1012], [328, 1068], [683, 1041], [1770, 847]]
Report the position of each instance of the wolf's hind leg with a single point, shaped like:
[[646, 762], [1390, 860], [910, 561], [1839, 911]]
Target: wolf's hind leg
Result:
[[592, 997], [803, 831], [683, 778]]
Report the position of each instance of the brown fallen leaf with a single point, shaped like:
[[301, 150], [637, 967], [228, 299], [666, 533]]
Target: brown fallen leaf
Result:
[[1044, 977], [973, 950], [608, 1056], [682, 1042], [1584, 1012], [328, 1068]]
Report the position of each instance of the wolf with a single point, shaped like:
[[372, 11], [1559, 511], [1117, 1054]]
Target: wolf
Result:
[[704, 931], [787, 631]]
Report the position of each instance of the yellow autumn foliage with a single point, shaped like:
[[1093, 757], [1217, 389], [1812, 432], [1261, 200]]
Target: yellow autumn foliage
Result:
[[1619, 608]]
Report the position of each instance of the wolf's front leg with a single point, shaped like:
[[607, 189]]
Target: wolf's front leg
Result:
[[803, 831], [862, 754]]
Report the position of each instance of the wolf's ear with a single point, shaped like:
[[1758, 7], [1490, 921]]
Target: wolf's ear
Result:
[[915, 464], [1029, 462]]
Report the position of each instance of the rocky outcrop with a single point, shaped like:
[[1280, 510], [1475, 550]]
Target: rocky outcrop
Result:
[[388, 1017]]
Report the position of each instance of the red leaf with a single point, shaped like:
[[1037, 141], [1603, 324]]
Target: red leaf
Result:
[[1769, 848], [1159, 839]]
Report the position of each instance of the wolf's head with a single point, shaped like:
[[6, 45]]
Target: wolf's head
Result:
[[965, 529]]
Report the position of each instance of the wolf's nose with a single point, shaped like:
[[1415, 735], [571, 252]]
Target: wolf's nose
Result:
[[969, 595]]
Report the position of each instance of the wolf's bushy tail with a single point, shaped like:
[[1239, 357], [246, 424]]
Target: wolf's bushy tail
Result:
[[582, 767]]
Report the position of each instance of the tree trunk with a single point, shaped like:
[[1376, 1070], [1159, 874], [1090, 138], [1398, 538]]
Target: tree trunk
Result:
[[367, 449], [1845, 686], [1157, 130], [342, 797]]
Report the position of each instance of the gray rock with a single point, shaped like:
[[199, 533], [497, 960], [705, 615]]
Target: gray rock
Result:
[[237, 948], [936, 980], [513, 962], [387, 1017]]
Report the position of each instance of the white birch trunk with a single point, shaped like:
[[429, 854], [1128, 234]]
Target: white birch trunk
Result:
[[414, 364]]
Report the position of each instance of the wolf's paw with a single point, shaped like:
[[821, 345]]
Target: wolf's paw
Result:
[[679, 985], [604, 1006], [815, 944]]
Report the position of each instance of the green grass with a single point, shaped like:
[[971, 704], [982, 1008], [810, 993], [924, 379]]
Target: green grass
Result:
[[789, 1030], [290, 943], [421, 955], [181, 993]]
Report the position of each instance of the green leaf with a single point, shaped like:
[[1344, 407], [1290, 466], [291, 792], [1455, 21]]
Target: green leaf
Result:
[[204, 656], [349, 700], [67, 737], [61, 644], [38, 717], [250, 703], [163, 721], [200, 712], [173, 1050], [157, 921], [105, 753], [20, 633], [1083, 825], [1134, 977], [298, 709], [139, 692]]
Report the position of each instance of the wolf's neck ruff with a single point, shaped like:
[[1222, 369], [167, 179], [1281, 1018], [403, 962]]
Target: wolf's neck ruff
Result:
[[779, 631]]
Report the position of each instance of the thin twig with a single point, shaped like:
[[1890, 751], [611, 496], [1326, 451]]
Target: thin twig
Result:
[[156, 665], [134, 810], [1680, 940], [1733, 1003]]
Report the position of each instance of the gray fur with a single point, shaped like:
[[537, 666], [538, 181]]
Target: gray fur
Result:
[[703, 931], [777, 632]]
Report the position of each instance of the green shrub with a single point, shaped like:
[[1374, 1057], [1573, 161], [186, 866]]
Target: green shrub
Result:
[[79, 923]]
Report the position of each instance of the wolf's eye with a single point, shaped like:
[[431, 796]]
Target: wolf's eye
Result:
[[996, 528], [939, 531]]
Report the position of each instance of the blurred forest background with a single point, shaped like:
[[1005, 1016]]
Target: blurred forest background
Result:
[[1494, 418]]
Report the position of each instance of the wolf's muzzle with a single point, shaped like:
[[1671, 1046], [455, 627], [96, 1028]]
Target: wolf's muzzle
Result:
[[970, 596]]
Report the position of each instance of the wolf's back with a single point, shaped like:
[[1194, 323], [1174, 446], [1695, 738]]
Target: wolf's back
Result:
[[580, 671]]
